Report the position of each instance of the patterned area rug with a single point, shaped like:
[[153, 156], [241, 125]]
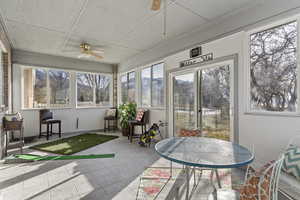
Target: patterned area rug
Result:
[[156, 183]]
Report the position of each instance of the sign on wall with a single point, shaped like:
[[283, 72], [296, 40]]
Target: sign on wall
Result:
[[197, 60]]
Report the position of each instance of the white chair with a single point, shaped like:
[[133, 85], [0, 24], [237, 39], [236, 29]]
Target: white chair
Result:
[[289, 186]]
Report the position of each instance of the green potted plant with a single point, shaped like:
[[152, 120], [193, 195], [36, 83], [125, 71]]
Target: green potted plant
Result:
[[127, 112]]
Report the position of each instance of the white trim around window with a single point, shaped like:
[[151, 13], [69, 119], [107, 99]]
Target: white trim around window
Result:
[[247, 78], [94, 104], [72, 88]]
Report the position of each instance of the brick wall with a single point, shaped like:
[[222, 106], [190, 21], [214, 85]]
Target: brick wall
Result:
[[5, 63], [115, 82]]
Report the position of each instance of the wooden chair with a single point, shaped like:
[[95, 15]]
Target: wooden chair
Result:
[[13, 125], [46, 118], [142, 119], [108, 117]]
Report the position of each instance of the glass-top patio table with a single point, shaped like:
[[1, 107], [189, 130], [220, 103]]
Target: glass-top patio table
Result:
[[203, 152]]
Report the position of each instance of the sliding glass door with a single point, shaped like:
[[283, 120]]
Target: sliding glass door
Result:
[[184, 102], [202, 98], [214, 102]]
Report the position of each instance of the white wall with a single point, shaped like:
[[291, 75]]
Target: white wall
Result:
[[268, 134], [89, 118]]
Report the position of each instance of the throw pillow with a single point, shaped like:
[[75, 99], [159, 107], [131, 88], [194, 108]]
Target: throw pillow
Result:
[[291, 163], [189, 133], [250, 190], [139, 115], [110, 113]]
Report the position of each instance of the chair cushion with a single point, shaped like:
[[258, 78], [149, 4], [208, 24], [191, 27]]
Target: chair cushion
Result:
[[189, 133], [289, 185], [135, 122], [110, 112], [13, 117], [291, 163], [251, 189], [52, 121], [139, 115]]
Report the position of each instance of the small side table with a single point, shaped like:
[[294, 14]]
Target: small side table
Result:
[[13, 126]]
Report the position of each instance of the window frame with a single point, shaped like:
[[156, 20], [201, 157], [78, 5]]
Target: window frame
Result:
[[247, 64], [151, 77], [94, 105], [73, 88], [65, 106]]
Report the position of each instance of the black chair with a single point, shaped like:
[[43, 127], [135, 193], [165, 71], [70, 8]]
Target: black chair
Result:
[[46, 118], [108, 118], [142, 123]]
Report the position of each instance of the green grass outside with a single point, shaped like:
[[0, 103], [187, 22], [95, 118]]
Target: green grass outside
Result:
[[71, 145]]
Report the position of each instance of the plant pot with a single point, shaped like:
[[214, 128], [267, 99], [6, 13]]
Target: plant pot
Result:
[[125, 131]]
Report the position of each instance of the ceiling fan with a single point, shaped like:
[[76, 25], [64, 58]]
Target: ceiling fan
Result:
[[155, 7], [87, 51]]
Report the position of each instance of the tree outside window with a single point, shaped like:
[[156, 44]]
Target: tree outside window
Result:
[[93, 89], [128, 87], [273, 69]]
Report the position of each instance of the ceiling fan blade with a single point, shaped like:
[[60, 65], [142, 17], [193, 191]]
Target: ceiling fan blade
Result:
[[84, 56], [95, 55], [156, 5], [98, 51], [70, 51]]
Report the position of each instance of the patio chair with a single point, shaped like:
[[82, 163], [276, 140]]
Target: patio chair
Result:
[[111, 115], [46, 118], [261, 184], [141, 119], [10, 123]]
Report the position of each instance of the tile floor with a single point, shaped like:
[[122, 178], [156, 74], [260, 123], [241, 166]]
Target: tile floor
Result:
[[102, 179]]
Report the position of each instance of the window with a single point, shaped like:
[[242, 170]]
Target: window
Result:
[[153, 85], [40, 88], [146, 86], [93, 89], [85, 91], [128, 87], [59, 88], [124, 88], [131, 87], [157, 85], [102, 90], [273, 69], [45, 88]]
